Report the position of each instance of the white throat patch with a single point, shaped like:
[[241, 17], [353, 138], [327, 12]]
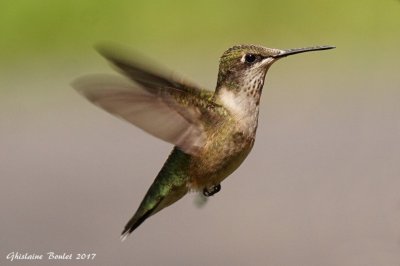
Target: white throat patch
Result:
[[242, 107]]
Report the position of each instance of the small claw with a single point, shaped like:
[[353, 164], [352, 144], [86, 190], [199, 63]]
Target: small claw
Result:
[[212, 191]]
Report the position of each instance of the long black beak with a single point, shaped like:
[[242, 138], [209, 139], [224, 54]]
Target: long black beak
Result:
[[302, 50]]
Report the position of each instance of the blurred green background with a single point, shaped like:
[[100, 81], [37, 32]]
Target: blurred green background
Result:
[[40, 29], [319, 188]]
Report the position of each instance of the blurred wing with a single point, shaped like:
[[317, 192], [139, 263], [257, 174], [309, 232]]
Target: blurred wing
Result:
[[155, 111], [140, 70]]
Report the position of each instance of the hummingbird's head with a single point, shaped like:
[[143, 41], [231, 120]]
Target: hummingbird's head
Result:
[[243, 67]]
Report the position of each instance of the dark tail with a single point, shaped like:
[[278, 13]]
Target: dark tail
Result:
[[137, 220], [168, 187]]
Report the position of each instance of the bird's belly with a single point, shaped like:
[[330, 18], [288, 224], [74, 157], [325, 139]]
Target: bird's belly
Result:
[[214, 166]]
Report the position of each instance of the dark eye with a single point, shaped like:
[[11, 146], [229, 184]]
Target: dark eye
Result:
[[250, 58]]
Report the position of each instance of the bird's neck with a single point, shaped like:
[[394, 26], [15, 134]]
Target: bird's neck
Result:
[[243, 106]]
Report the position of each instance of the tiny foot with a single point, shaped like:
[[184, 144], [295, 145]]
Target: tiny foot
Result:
[[212, 191]]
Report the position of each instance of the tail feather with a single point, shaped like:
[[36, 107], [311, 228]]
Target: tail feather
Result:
[[168, 187], [136, 221]]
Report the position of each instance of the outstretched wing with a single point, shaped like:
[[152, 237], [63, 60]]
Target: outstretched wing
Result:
[[164, 107], [140, 70]]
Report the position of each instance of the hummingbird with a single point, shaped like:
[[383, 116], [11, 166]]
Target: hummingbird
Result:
[[212, 132]]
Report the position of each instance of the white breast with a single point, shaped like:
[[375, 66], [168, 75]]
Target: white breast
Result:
[[243, 107]]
